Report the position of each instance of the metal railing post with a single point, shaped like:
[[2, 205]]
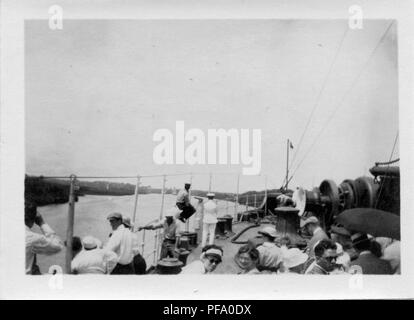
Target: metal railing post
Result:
[[265, 195], [187, 223], [143, 243], [136, 200], [71, 220], [157, 233], [236, 204]]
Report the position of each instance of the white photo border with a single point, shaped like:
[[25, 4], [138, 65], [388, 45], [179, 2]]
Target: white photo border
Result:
[[13, 281]]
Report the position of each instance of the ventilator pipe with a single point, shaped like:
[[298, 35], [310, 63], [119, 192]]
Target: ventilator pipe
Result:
[[385, 171]]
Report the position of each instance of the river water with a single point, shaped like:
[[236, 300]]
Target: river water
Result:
[[90, 219]]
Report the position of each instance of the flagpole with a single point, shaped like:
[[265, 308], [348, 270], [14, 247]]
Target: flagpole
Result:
[[287, 164]]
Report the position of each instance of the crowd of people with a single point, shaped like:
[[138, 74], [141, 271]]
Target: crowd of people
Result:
[[342, 252], [120, 254], [334, 252], [339, 253]]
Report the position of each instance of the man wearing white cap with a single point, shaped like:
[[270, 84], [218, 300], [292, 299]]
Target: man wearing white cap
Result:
[[312, 227], [210, 213], [121, 243], [270, 255], [92, 259], [171, 233]]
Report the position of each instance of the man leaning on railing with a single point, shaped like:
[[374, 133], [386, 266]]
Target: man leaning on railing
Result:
[[171, 234]]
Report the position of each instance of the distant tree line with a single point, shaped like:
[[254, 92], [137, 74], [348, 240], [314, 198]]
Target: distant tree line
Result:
[[44, 191]]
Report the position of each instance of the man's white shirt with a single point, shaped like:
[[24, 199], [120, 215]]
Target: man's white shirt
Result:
[[98, 261], [270, 255], [47, 243], [210, 212], [195, 267], [121, 242]]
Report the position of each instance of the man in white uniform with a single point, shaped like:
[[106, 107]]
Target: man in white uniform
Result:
[[121, 243], [209, 220]]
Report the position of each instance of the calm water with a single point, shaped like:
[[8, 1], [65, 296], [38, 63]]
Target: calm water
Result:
[[91, 213]]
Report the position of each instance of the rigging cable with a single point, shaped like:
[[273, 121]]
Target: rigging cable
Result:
[[343, 99], [318, 98], [389, 162]]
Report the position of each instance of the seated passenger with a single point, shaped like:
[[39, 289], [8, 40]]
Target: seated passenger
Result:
[[368, 261], [325, 258], [270, 255], [312, 227], [293, 261], [247, 259], [210, 258], [92, 259]]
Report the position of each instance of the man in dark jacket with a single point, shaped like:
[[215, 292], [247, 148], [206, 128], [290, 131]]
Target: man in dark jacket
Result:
[[367, 261]]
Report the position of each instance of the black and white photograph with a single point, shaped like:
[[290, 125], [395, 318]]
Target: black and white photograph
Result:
[[237, 149]]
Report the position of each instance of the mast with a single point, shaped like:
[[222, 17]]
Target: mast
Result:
[[287, 163]]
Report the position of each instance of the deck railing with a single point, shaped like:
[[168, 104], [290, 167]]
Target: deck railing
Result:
[[251, 202]]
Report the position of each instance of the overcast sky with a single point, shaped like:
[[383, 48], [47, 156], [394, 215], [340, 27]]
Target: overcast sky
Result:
[[96, 91]]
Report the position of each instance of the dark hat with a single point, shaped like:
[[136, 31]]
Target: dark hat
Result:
[[358, 238], [115, 215], [340, 230]]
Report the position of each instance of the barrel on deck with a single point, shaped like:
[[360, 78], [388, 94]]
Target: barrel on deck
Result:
[[229, 223], [192, 237], [287, 224], [184, 243], [221, 227], [169, 266], [183, 255]]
